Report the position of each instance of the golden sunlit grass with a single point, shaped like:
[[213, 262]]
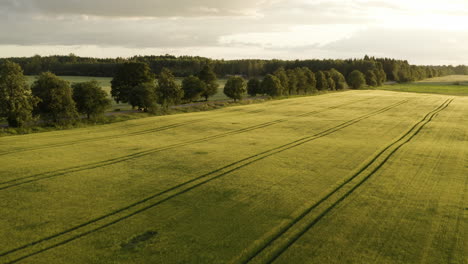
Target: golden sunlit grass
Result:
[[361, 176]]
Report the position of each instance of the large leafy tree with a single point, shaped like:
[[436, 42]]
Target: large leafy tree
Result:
[[128, 76], [208, 76], [356, 79], [16, 100], [144, 96], [330, 82], [168, 91], [311, 82], [322, 83], [235, 88], [254, 87], [301, 79], [292, 81], [371, 79], [271, 85], [193, 88], [90, 99], [56, 103], [281, 74], [338, 78], [380, 76]]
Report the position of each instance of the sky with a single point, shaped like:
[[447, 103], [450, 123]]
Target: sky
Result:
[[422, 31]]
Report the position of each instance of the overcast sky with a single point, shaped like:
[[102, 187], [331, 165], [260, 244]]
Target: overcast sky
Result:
[[422, 31]]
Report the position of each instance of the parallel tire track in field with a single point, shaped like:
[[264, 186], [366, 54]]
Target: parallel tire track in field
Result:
[[94, 139], [52, 174], [136, 133], [104, 221], [287, 234]]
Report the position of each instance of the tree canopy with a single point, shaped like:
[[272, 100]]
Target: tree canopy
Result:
[[322, 83], [254, 87], [271, 85], [356, 79], [128, 76], [235, 88], [56, 103], [168, 91], [16, 99], [90, 99], [208, 76], [144, 96], [193, 88]]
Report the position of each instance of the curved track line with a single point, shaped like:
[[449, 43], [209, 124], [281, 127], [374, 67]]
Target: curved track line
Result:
[[52, 174], [262, 253], [179, 189]]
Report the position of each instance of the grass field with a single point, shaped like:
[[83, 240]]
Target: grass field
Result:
[[440, 85], [351, 177], [105, 83]]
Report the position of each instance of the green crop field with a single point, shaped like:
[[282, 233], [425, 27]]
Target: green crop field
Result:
[[448, 85], [350, 177], [105, 83]]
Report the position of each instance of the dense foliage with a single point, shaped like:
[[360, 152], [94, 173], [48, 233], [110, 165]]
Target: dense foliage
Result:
[[90, 99], [16, 99], [128, 76], [356, 79], [395, 70], [235, 88], [168, 91], [57, 104]]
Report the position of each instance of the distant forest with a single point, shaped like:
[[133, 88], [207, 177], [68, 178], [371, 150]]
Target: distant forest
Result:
[[396, 70]]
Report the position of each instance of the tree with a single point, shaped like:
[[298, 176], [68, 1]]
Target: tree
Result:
[[208, 76], [338, 78], [322, 83], [271, 85], [90, 99], [281, 74], [292, 81], [193, 88], [356, 79], [56, 102], [254, 87], [380, 76], [128, 76], [168, 91], [144, 96], [311, 82], [235, 88], [331, 83], [301, 78], [16, 100], [371, 79]]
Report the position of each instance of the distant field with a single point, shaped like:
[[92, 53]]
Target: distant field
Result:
[[440, 85], [105, 83], [352, 177]]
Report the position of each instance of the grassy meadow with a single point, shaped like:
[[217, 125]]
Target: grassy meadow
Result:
[[449, 85], [351, 177]]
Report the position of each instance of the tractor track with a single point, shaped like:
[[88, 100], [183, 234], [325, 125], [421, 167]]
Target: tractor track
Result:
[[116, 216], [288, 234], [52, 174], [136, 133]]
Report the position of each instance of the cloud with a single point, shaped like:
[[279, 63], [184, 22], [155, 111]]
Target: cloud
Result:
[[419, 46], [136, 8], [420, 30]]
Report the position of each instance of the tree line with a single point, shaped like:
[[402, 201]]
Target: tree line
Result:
[[183, 66], [49, 98], [56, 101]]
